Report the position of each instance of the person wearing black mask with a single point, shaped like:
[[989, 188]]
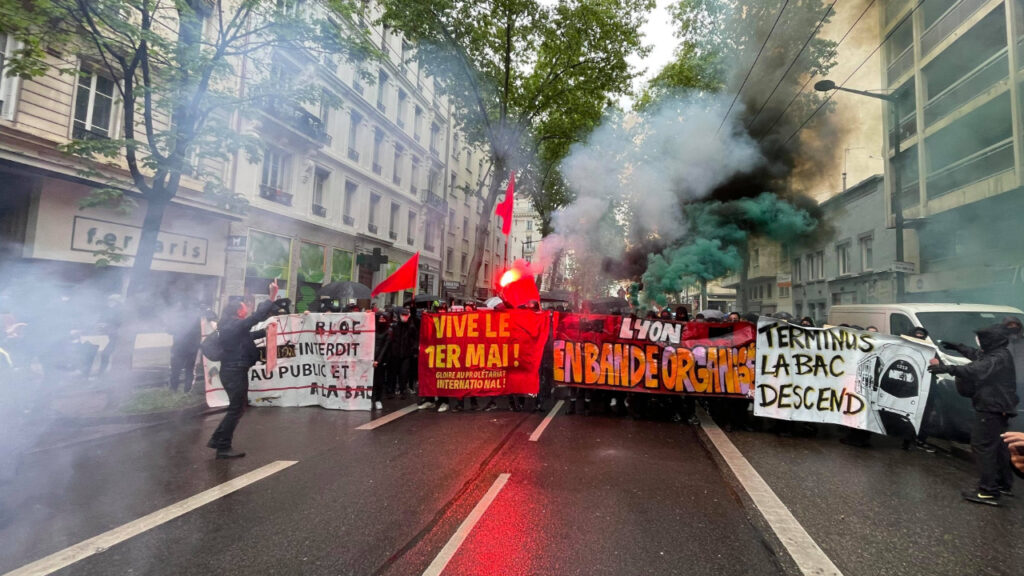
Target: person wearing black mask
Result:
[[989, 382], [382, 336], [240, 354]]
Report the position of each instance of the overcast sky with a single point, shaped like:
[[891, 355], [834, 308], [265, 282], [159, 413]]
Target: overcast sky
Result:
[[657, 33]]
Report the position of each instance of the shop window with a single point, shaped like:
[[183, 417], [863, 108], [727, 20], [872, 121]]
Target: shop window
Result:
[[341, 265], [268, 256], [310, 275]]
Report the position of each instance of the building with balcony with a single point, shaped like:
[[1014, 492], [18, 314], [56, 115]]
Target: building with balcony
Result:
[[768, 279], [956, 68]]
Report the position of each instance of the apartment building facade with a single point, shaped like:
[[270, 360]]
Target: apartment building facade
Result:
[[769, 280], [345, 192], [956, 68]]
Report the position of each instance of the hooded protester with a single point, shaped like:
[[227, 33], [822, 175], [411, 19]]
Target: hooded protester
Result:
[[989, 382], [807, 322], [402, 348], [240, 354], [381, 343], [682, 314]]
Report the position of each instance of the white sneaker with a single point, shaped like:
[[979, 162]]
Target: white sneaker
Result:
[[378, 405], [426, 405], [442, 408]]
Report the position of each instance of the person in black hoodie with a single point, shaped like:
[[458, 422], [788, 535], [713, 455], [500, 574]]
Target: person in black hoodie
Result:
[[382, 342], [989, 382], [240, 353]]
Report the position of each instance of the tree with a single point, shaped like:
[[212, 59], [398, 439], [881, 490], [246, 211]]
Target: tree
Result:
[[528, 79], [180, 78]]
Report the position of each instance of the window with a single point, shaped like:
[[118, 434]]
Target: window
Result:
[[797, 277], [435, 137], [449, 256], [402, 97], [374, 207], [529, 225], [353, 136], [843, 259], [411, 236], [867, 255], [769, 288], [396, 177], [900, 324], [429, 234], [455, 146], [319, 188], [465, 262], [310, 275], [451, 221], [275, 169], [378, 143], [382, 86], [416, 124], [820, 261], [487, 273], [783, 291], [94, 106], [268, 256], [341, 266], [414, 177], [432, 181], [465, 227], [8, 84], [406, 53], [755, 260], [393, 221], [350, 198]]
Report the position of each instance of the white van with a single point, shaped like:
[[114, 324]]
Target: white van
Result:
[[944, 322]]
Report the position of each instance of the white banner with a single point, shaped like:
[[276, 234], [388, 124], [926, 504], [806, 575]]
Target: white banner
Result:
[[321, 359], [841, 376]]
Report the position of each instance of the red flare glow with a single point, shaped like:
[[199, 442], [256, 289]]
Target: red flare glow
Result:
[[510, 276]]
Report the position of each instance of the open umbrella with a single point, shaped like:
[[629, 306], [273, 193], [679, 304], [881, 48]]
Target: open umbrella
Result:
[[713, 314], [345, 291]]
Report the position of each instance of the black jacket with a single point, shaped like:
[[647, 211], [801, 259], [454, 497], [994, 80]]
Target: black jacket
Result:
[[403, 340], [239, 343], [989, 381]]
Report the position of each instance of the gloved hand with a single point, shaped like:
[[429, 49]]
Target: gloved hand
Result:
[[939, 369], [950, 345]]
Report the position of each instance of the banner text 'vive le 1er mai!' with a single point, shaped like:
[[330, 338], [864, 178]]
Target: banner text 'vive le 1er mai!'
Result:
[[484, 353]]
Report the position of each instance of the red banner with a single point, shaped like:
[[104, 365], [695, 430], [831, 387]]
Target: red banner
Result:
[[651, 355], [483, 353]]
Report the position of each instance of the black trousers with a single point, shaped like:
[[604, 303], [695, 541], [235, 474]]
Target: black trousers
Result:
[[236, 383], [380, 374], [399, 374], [183, 368], [991, 453]]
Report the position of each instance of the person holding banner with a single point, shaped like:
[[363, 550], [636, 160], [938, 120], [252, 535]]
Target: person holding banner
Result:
[[989, 381], [240, 354]]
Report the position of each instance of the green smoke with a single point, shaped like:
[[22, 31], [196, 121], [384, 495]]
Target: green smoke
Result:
[[717, 239]]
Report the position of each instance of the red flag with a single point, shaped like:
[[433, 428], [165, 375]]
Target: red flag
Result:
[[505, 208], [402, 279]]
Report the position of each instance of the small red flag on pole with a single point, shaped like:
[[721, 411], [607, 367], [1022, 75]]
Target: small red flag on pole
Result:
[[402, 279], [505, 208]]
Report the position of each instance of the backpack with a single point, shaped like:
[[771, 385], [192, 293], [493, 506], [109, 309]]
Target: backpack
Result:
[[213, 347]]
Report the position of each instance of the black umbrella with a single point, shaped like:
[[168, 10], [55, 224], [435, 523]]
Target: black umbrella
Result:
[[345, 291]]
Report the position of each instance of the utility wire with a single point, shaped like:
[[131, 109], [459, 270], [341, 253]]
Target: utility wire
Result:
[[793, 63], [808, 81], [752, 65], [884, 40]]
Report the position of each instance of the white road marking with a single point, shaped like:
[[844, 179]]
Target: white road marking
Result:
[[101, 543], [389, 418], [809, 558], [547, 420], [449, 550]]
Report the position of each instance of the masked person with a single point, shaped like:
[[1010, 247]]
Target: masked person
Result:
[[402, 348], [187, 335], [989, 382], [240, 354], [381, 344]]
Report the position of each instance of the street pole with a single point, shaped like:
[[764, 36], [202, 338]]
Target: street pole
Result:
[[897, 201]]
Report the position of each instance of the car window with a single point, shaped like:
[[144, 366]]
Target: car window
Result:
[[959, 327], [900, 324]]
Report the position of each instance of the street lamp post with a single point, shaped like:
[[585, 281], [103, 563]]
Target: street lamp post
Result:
[[894, 167]]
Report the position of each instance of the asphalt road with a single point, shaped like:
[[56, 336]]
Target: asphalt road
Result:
[[594, 495]]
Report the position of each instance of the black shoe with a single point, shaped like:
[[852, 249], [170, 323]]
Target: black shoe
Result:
[[1005, 493], [979, 497], [921, 445], [491, 407], [229, 453], [211, 444]]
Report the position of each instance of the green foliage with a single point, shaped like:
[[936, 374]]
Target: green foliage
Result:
[[111, 198], [527, 79]]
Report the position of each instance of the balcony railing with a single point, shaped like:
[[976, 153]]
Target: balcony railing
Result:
[[414, 190], [410, 240], [353, 154], [358, 87], [435, 201], [990, 72], [319, 210], [428, 247], [383, 109], [397, 180], [377, 169], [908, 128], [372, 228], [981, 165], [948, 22], [299, 119], [348, 220], [393, 235], [275, 195], [80, 133]]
